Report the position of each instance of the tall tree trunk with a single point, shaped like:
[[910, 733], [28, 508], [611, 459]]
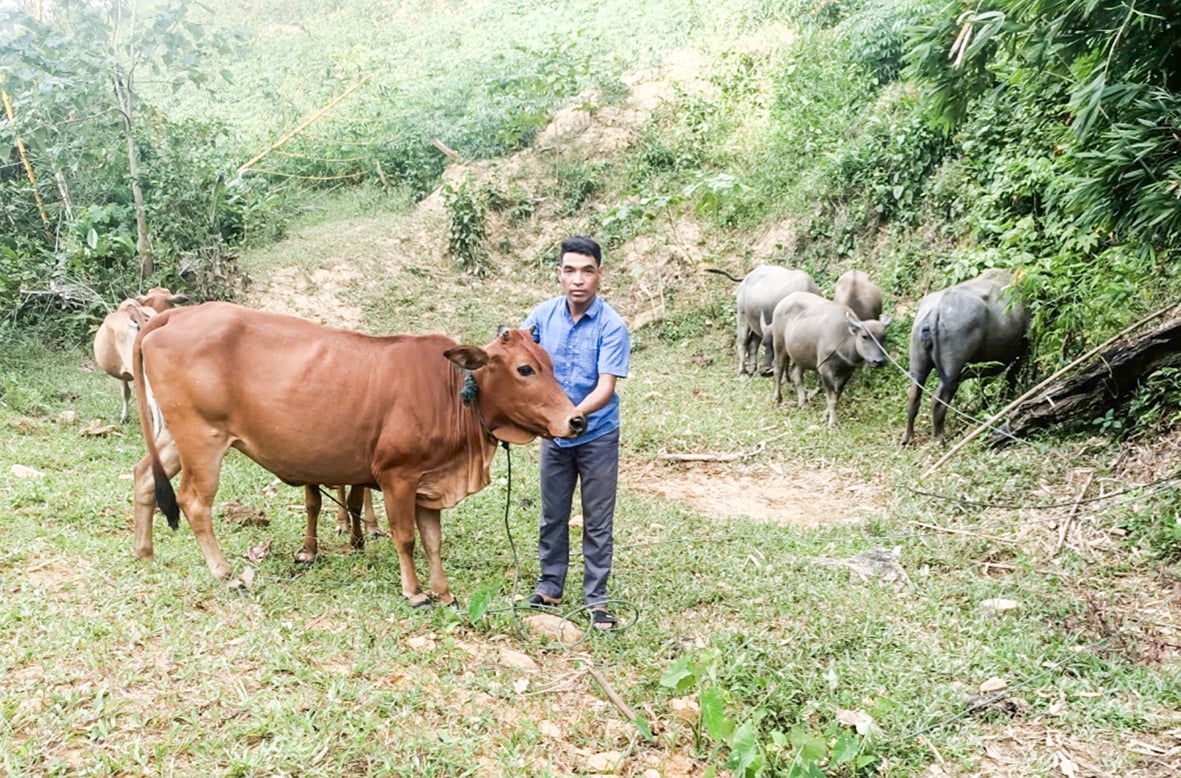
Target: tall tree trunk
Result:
[[143, 244]]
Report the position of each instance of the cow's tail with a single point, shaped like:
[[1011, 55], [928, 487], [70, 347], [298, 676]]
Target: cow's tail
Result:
[[931, 340], [151, 421], [721, 272]]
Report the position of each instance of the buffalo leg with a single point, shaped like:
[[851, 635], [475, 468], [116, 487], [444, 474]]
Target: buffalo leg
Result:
[[920, 368], [400, 510], [430, 528], [943, 397], [768, 354], [312, 503], [797, 380], [741, 344], [145, 492], [834, 385], [781, 366]]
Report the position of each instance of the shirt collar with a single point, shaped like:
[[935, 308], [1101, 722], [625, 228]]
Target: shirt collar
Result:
[[591, 313]]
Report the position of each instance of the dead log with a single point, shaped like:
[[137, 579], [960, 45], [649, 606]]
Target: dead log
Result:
[[1108, 383]]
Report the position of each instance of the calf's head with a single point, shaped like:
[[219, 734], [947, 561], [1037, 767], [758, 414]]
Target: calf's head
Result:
[[869, 337], [518, 395]]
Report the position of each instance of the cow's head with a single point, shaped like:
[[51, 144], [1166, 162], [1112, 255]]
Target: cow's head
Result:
[[518, 395], [160, 299], [870, 338]]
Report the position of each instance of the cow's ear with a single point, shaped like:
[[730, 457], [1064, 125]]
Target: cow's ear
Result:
[[467, 357], [885, 320], [178, 299], [533, 333]]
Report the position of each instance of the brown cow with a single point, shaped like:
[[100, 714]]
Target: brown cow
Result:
[[316, 405], [112, 342]]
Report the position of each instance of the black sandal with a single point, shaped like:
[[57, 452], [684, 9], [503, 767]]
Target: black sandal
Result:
[[602, 619], [538, 601]]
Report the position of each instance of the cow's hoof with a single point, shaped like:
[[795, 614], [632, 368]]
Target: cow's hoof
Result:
[[420, 601], [304, 558]]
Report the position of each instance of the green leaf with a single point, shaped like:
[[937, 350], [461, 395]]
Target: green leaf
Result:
[[713, 714], [678, 676], [479, 604], [641, 724]]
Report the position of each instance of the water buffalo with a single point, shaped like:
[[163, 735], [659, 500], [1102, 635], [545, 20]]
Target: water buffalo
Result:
[[855, 290], [812, 333], [758, 293], [981, 320]]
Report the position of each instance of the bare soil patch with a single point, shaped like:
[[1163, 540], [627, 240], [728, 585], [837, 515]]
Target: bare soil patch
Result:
[[806, 498]]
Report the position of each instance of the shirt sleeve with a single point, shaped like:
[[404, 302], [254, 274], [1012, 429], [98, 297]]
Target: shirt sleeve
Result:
[[615, 349]]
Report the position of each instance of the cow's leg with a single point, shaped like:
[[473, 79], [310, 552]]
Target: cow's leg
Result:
[[431, 530], [356, 499], [943, 397], [145, 492], [371, 527], [400, 510], [312, 503], [126, 399], [198, 487], [343, 522]]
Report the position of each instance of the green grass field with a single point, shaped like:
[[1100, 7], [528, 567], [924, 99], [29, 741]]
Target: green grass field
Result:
[[113, 666]]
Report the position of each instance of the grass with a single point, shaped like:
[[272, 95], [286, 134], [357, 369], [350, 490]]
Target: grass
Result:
[[112, 666]]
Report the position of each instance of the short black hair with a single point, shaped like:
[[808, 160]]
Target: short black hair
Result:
[[581, 244]]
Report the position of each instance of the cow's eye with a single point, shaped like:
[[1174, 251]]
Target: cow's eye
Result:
[[525, 370]]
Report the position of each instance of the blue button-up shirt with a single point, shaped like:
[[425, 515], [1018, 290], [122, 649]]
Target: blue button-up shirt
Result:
[[599, 343]]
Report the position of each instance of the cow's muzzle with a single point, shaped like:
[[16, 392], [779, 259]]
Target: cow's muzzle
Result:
[[577, 426]]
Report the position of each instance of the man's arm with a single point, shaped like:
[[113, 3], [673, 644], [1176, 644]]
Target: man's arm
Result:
[[599, 396]]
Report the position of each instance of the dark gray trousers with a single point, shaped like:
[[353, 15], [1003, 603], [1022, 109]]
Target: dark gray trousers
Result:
[[595, 466]]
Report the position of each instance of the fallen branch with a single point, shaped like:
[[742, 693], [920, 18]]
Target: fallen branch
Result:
[[612, 695], [447, 150], [988, 423], [1064, 531], [982, 536]]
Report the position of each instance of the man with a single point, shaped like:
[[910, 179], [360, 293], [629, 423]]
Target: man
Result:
[[590, 347]]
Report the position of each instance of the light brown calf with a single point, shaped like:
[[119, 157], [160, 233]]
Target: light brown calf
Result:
[[116, 334]]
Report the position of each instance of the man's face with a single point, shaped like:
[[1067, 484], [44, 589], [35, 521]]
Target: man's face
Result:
[[580, 277]]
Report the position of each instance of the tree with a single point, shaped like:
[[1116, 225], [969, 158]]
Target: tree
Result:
[[80, 65]]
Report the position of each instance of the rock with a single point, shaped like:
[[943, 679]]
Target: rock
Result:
[[515, 659], [548, 624]]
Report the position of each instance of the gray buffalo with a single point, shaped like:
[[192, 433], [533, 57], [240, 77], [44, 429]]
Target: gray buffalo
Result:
[[978, 321], [855, 289], [812, 333], [758, 293]]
